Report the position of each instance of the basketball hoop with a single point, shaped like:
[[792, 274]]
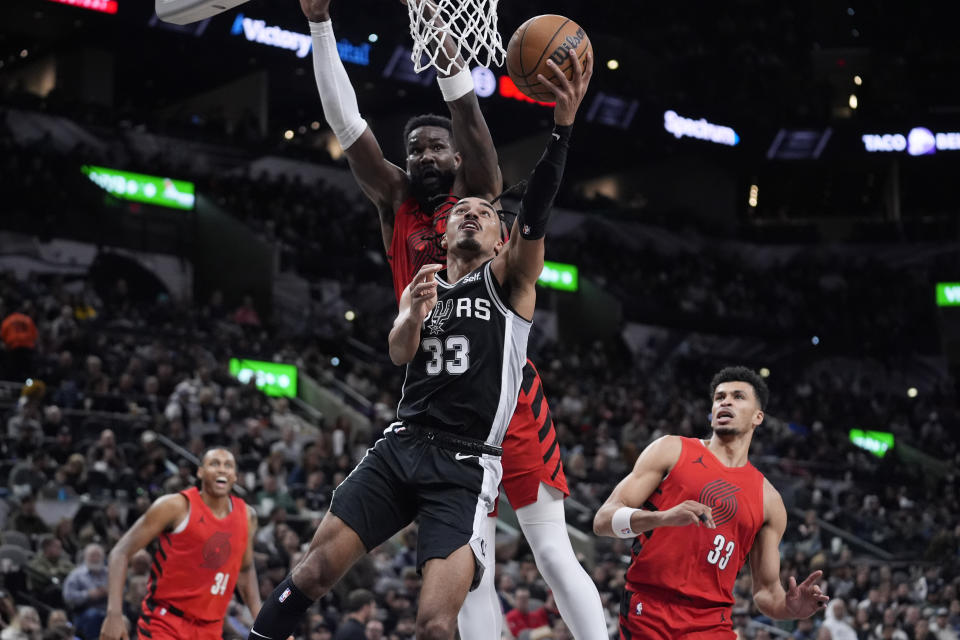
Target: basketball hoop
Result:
[[467, 27]]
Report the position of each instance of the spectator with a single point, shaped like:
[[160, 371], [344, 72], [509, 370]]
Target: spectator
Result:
[[58, 625], [50, 567], [246, 315], [835, 620], [374, 630], [26, 520], [25, 626], [19, 335], [85, 591], [521, 617], [360, 608]]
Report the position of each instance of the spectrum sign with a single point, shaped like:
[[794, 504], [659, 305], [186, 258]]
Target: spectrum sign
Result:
[[699, 129], [103, 6], [876, 442], [948, 294], [556, 275], [163, 192], [919, 142], [300, 43], [273, 378]]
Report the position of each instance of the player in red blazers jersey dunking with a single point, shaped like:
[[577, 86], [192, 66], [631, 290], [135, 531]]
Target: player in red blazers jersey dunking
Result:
[[705, 510], [204, 549], [448, 158]]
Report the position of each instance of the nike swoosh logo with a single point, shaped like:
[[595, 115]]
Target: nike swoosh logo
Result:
[[464, 456], [260, 635], [556, 136]]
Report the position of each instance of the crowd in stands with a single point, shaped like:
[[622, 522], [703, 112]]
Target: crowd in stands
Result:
[[104, 383]]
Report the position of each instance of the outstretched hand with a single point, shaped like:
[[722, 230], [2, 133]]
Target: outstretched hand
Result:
[[423, 291], [569, 93], [316, 10], [806, 598]]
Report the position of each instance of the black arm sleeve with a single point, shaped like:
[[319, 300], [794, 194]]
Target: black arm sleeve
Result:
[[544, 183]]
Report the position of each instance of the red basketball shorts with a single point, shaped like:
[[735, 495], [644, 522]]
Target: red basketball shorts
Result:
[[659, 615], [531, 452]]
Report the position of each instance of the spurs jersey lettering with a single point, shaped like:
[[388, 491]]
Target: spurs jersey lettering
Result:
[[416, 240], [196, 569], [467, 373], [698, 563]]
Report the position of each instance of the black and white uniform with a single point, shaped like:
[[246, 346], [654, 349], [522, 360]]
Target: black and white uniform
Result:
[[440, 462]]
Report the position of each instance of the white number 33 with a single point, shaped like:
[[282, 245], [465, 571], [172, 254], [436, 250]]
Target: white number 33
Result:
[[714, 556]]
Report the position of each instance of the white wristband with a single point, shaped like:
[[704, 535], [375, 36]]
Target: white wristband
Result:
[[456, 86], [621, 522]]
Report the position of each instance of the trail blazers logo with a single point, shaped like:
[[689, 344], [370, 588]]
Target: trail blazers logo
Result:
[[439, 316], [216, 551], [721, 497]]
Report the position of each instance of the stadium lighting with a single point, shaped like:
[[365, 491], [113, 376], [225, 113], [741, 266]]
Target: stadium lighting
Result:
[[764, 372], [754, 193], [613, 65], [373, 37], [857, 80], [912, 392], [350, 315], [314, 125], [288, 134], [853, 102], [815, 340]]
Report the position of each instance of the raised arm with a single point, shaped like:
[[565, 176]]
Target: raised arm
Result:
[[247, 580], [479, 173], [164, 514], [384, 183], [799, 601], [621, 516], [418, 299], [520, 263]]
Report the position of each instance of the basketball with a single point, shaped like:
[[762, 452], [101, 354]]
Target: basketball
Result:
[[542, 38]]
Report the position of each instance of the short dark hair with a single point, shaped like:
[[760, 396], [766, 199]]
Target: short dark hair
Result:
[[742, 374], [358, 599], [426, 120]]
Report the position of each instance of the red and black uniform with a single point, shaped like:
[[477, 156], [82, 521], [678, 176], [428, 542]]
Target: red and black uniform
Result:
[[680, 582], [194, 573], [531, 452]]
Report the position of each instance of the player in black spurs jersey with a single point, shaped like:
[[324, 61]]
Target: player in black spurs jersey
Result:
[[462, 332]]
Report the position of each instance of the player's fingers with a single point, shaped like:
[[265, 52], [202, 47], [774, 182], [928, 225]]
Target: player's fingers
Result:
[[811, 579], [554, 89], [560, 76], [792, 584]]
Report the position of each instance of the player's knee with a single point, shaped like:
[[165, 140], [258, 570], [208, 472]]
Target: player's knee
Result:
[[436, 628], [314, 575]]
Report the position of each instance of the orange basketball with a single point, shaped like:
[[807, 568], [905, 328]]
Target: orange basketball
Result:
[[542, 38]]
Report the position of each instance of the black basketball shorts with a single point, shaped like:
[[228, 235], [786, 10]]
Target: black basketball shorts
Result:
[[402, 478]]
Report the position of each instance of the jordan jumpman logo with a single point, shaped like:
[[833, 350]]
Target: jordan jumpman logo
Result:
[[700, 462]]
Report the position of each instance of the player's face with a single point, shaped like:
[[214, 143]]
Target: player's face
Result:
[[218, 472], [473, 225], [735, 409], [432, 162]]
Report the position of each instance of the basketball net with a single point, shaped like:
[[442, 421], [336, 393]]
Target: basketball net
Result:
[[465, 30]]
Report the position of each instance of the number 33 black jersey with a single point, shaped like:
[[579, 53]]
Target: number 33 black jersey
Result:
[[467, 372]]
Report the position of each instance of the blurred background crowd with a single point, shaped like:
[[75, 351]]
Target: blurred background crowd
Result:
[[120, 319]]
